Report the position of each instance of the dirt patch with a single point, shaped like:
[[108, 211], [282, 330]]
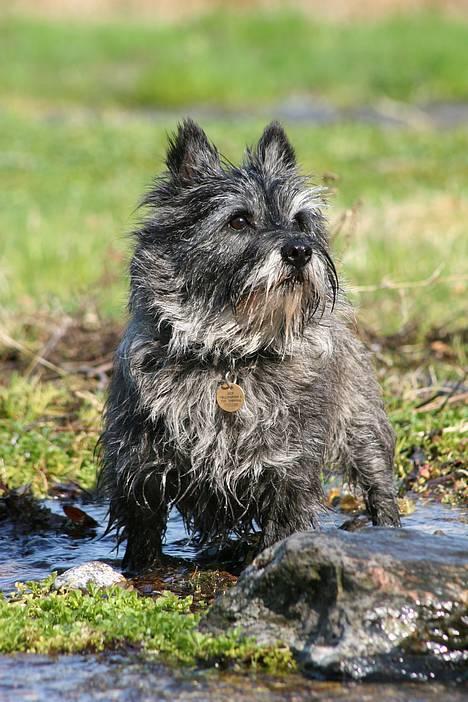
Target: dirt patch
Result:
[[183, 578], [49, 346]]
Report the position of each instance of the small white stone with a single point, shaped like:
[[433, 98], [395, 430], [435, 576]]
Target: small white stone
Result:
[[95, 572]]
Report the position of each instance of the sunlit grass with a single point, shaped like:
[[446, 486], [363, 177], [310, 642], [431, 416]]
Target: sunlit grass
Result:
[[48, 434], [235, 60], [71, 188]]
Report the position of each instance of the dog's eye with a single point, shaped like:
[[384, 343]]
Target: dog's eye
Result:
[[299, 222], [239, 222]]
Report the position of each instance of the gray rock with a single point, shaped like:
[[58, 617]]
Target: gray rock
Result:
[[385, 604], [95, 572]]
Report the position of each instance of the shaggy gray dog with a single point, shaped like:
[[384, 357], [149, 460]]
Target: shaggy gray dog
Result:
[[239, 377]]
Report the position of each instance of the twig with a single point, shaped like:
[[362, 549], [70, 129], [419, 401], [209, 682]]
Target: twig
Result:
[[348, 216], [89, 397], [51, 343], [391, 285], [452, 394], [95, 371], [12, 343], [99, 372], [458, 428], [440, 402]]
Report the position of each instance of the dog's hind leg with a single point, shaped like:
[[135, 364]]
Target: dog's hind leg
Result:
[[132, 475]]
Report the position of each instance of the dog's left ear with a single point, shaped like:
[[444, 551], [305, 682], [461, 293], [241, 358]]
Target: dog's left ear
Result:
[[274, 148]]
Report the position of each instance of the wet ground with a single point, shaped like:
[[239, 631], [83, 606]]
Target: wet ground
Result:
[[308, 110], [25, 556]]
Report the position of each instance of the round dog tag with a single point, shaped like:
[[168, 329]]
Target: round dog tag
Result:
[[230, 397]]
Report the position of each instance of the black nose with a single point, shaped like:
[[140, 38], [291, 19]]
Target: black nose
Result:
[[297, 253]]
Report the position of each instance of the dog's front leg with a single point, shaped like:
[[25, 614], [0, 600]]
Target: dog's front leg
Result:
[[292, 507], [371, 460], [144, 531], [139, 511], [375, 476]]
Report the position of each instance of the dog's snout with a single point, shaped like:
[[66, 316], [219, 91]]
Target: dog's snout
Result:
[[297, 253]]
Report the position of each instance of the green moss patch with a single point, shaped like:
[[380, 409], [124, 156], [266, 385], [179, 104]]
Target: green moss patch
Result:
[[39, 619]]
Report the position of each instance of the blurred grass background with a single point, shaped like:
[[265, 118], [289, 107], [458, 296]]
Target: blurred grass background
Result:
[[85, 108], [375, 98], [235, 60]]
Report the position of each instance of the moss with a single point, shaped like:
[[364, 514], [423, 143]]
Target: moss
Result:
[[48, 434], [431, 457], [39, 619]]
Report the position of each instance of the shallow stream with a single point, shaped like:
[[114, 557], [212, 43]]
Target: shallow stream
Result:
[[32, 556]]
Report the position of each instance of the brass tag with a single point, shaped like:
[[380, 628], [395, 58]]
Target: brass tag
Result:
[[230, 397]]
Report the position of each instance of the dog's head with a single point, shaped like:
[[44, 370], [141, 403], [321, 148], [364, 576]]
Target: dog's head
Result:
[[233, 255]]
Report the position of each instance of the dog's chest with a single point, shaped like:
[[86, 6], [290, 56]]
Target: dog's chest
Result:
[[265, 430]]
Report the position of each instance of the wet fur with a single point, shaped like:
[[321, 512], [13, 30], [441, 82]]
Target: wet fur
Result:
[[207, 300]]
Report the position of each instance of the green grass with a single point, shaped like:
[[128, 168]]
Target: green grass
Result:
[[41, 620], [71, 178], [441, 443], [235, 60], [48, 434], [70, 189]]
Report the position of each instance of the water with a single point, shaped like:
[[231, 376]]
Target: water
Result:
[[432, 516], [32, 556], [117, 678], [126, 677]]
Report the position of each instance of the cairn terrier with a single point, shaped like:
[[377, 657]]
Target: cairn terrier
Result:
[[240, 376]]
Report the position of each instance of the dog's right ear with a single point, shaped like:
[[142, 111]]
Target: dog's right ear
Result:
[[190, 154]]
